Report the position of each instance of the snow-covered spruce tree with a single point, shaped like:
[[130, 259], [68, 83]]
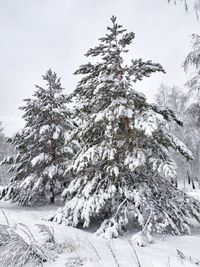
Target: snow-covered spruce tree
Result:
[[41, 154], [5, 150], [122, 174]]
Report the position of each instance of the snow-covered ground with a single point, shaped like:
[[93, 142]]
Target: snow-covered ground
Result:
[[194, 193], [83, 247]]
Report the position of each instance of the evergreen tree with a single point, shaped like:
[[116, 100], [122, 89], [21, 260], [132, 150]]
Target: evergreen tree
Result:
[[41, 156], [123, 171], [5, 150]]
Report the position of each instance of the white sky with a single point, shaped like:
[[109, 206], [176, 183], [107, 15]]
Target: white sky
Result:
[[40, 34]]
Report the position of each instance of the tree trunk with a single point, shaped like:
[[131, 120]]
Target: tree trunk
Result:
[[127, 122], [52, 197], [53, 159], [53, 150]]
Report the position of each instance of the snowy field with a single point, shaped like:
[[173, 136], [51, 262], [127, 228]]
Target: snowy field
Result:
[[83, 248]]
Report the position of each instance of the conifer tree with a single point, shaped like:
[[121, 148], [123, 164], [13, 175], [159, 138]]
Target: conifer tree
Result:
[[122, 174], [40, 161], [5, 150]]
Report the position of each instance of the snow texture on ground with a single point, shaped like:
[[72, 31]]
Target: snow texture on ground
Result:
[[83, 248]]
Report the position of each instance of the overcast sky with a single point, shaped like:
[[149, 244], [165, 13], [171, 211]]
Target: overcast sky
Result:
[[36, 35]]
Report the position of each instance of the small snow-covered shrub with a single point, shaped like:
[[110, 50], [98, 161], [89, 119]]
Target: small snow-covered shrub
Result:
[[49, 243], [15, 251], [19, 247], [47, 232]]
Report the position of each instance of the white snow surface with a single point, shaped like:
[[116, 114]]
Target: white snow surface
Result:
[[40, 158], [97, 252]]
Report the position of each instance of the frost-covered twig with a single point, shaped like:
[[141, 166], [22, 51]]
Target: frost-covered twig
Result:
[[96, 252], [27, 232], [147, 222], [168, 215], [183, 257], [47, 231], [16, 250], [5, 217], [113, 254], [136, 255], [119, 207]]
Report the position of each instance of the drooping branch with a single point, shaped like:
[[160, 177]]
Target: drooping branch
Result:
[[196, 5]]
